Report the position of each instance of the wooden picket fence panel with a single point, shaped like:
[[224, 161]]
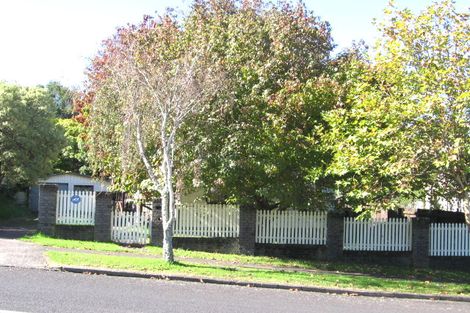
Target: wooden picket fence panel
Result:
[[131, 227], [291, 227], [392, 234], [78, 213], [448, 239], [207, 220]]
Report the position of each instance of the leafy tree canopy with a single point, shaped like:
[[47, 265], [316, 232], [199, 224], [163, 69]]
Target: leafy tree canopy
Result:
[[403, 130], [62, 98], [29, 138], [261, 145], [73, 157]]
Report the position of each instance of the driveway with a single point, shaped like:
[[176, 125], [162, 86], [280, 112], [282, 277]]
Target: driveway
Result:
[[14, 252]]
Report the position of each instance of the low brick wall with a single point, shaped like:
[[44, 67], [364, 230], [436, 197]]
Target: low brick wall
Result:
[[392, 258], [304, 252], [75, 232], [461, 263], [221, 245]]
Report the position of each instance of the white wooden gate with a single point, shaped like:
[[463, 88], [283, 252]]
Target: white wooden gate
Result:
[[448, 239], [75, 207], [131, 227], [392, 234]]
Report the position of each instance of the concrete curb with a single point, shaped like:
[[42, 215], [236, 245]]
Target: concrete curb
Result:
[[339, 291]]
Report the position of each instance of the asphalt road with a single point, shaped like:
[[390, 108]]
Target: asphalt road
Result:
[[35, 290]]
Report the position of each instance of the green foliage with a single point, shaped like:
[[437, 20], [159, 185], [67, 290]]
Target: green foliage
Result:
[[62, 98], [72, 158], [403, 129], [10, 209], [105, 142], [29, 138], [259, 144], [290, 121]]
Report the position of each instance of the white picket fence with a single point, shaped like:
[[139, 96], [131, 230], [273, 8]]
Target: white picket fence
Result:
[[448, 239], [207, 220], [291, 227], [75, 207], [392, 234], [131, 227]]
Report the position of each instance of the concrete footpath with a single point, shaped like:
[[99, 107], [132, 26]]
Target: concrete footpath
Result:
[[18, 253]]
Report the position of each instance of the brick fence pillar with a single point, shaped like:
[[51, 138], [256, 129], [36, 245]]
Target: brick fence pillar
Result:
[[104, 207], [334, 236], [47, 209], [247, 228], [157, 224], [420, 241]]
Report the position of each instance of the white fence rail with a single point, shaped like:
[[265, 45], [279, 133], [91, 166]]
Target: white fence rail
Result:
[[75, 207], [207, 220], [131, 227], [449, 240], [291, 227], [393, 234]]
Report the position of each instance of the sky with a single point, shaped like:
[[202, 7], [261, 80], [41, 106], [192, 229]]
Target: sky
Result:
[[54, 40]]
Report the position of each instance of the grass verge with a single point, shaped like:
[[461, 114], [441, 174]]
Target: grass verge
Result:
[[338, 280], [235, 259], [79, 244]]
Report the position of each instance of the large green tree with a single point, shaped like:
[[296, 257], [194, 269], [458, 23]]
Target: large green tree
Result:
[[403, 130], [261, 147], [29, 138]]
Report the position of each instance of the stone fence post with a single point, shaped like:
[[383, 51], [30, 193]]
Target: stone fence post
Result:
[[247, 236], [420, 241], [104, 207], [156, 238], [334, 236], [47, 209]]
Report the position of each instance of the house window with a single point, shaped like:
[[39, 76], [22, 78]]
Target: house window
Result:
[[82, 188]]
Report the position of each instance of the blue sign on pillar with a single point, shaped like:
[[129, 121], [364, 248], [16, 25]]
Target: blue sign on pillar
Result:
[[75, 199]]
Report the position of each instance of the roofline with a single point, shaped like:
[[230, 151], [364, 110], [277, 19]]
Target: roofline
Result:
[[75, 174]]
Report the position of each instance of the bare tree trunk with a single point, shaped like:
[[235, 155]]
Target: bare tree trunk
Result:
[[167, 230], [169, 218], [168, 244]]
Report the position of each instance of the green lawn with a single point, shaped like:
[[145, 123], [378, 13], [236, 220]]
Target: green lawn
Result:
[[79, 244], [422, 275], [341, 280]]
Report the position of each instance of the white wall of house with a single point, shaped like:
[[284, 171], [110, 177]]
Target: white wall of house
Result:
[[73, 180]]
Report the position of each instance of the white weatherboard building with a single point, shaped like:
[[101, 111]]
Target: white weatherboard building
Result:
[[70, 182]]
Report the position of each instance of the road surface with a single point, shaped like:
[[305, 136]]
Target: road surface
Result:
[[36, 290]]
